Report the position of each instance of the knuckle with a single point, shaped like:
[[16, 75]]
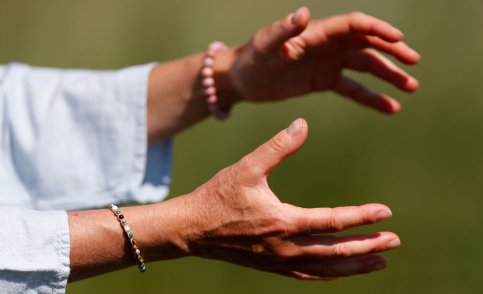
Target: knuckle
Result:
[[246, 170], [277, 244], [367, 219], [340, 250], [280, 225], [244, 164], [277, 144], [225, 176], [364, 216], [284, 26], [334, 223]]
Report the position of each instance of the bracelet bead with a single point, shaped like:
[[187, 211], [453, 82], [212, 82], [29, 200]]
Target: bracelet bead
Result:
[[207, 72], [210, 91], [208, 81], [208, 61]]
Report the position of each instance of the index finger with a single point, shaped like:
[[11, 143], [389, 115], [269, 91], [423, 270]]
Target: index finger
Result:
[[328, 220], [360, 23]]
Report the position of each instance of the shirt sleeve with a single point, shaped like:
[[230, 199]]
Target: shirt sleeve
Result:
[[74, 139], [69, 139], [34, 251]]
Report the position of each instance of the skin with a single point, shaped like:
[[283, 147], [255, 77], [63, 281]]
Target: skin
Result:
[[235, 216], [286, 59]]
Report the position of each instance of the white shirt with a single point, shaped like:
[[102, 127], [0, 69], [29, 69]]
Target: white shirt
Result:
[[70, 139]]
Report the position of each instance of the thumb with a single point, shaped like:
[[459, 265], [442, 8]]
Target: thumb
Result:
[[273, 152], [276, 34]]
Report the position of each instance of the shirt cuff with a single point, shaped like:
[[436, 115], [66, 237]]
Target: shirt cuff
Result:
[[36, 256], [152, 165]]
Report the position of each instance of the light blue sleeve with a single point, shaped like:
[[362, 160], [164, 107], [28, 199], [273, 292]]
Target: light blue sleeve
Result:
[[34, 252], [73, 139], [69, 139]]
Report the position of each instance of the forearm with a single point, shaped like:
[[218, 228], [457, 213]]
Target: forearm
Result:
[[99, 245], [175, 93], [175, 102]]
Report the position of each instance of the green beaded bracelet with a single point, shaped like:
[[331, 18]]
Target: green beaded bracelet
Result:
[[130, 236]]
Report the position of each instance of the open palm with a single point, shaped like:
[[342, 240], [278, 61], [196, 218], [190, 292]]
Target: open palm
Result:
[[236, 217]]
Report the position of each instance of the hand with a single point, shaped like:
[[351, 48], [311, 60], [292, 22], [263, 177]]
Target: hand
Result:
[[237, 218], [295, 56]]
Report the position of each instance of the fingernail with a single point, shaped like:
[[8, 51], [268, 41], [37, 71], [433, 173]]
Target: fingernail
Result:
[[394, 243], [294, 128], [383, 214], [296, 16]]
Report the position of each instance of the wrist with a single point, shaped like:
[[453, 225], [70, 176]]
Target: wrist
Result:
[[223, 65], [173, 229]]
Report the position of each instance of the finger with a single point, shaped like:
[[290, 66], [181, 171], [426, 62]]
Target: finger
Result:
[[371, 61], [266, 157], [327, 220], [329, 246], [275, 35], [358, 92], [399, 50], [360, 23], [335, 268]]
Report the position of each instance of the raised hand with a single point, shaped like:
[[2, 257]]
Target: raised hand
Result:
[[237, 218], [295, 56]]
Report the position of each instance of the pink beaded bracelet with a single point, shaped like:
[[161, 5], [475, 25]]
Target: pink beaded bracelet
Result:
[[208, 81]]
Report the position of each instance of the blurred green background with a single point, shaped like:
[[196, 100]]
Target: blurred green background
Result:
[[425, 163]]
